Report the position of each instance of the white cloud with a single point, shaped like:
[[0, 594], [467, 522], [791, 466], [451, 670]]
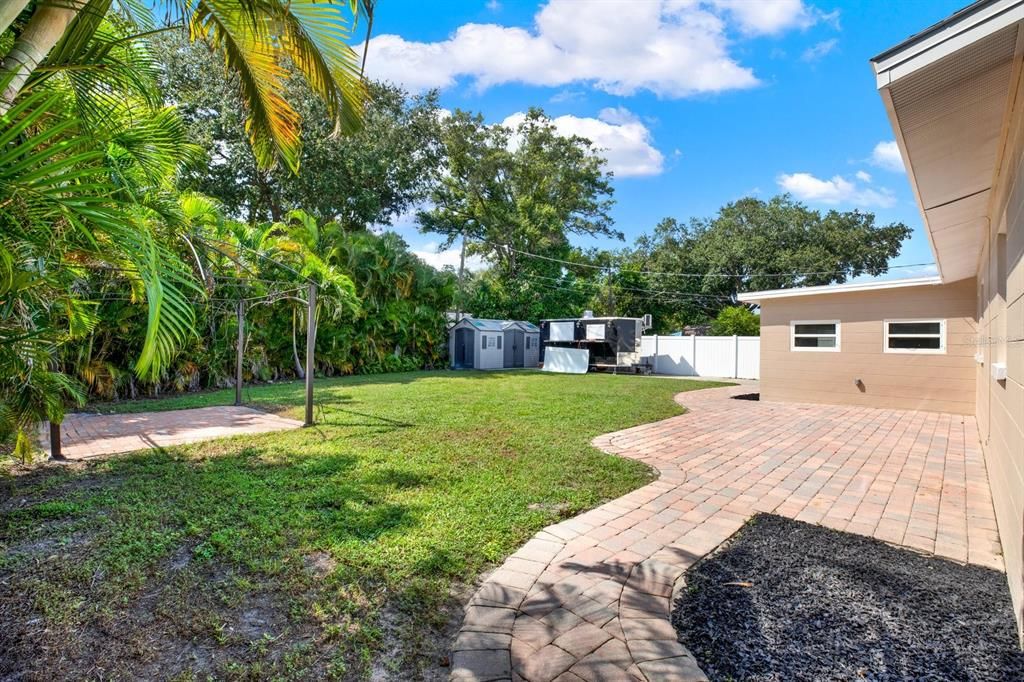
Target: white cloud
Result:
[[673, 48], [887, 155], [863, 176], [819, 50], [768, 17], [625, 142], [568, 96], [837, 190], [431, 254]]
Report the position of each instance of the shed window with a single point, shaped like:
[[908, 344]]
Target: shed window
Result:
[[814, 335], [915, 336], [483, 342], [499, 343]]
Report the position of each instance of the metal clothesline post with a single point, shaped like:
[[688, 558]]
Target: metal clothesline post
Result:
[[310, 349], [239, 352]]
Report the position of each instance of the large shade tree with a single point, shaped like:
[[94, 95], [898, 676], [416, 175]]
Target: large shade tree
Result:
[[509, 191], [365, 178], [697, 268]]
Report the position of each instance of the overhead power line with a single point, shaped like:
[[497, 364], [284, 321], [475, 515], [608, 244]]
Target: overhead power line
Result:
[[653, 292], [707, 274], [700, 303]]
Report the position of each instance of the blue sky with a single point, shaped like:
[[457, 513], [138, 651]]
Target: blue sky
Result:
[[697, 103]]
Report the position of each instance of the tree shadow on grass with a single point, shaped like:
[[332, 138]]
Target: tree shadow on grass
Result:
[[280, 393], [250, 513]]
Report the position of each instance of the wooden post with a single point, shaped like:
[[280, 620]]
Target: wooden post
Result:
[[55, 451], [239, 352], [310, 350]]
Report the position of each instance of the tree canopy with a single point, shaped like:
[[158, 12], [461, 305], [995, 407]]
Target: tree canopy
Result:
[[357, 180], [508, 191], [698, 267]]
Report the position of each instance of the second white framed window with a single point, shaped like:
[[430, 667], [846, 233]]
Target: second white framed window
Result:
[[915, 336], [814, 335]]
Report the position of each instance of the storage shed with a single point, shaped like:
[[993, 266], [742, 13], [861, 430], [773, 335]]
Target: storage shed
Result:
[[522, 344], [493, 344]]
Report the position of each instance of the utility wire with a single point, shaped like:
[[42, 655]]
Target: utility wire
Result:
[[708, 274], [697, 303], [689, 294]]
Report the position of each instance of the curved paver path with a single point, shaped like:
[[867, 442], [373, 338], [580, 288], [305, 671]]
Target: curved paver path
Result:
[[589, 598]]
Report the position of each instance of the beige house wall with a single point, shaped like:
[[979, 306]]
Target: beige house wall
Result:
[[1000, 308], [917, 381]]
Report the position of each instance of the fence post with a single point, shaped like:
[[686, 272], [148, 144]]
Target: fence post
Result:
[[735, 357], [310, 350], [693, 356], [239, 351], [656, 349]]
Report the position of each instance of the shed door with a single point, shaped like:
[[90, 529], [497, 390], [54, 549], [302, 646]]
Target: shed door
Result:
[[464, 348], [508, 351], [518, 340]]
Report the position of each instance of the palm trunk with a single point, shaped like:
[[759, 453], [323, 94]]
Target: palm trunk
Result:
[[42, 32], [9, 11]]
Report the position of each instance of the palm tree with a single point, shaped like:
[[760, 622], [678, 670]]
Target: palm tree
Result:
[[88, 160], [256, 38], [310, 247]]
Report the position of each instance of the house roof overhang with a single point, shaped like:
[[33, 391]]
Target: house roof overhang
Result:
[[853, 287], [948, 92]]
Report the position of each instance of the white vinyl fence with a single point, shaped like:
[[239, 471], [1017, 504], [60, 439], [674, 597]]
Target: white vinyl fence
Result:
[[733, 357]]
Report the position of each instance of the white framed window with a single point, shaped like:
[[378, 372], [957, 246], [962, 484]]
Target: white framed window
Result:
[[914, 336], [814, 335]]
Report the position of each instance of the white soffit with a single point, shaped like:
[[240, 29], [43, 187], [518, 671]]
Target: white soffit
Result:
[[947, 112]]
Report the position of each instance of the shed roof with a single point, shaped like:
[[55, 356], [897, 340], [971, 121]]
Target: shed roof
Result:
[[522, 324], [486, 325]]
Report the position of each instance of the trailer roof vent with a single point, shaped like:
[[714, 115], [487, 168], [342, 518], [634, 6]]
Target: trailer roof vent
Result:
[[587, 314]]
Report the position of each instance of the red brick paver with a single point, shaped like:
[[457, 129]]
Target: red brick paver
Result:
[[84, 436], [589, 598]]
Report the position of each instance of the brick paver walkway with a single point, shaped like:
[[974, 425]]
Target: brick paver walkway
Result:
[[84, 436], [590, 598]]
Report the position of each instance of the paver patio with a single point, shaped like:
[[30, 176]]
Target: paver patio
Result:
[[589, 598], [84, 436]]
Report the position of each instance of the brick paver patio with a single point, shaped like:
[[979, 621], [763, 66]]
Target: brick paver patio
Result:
[[589, 598], [84, 436]]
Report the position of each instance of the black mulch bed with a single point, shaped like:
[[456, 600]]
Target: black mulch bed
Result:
[[785, 600]]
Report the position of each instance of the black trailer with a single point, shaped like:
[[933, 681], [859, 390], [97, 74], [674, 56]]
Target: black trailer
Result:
[[613, 342]]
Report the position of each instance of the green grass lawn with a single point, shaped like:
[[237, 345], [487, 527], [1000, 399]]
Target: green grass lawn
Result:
[[331, 551]]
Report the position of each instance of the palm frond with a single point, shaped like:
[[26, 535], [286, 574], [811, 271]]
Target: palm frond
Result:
[[316, 39], [249, 50], [53, 178], [156, 145]]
